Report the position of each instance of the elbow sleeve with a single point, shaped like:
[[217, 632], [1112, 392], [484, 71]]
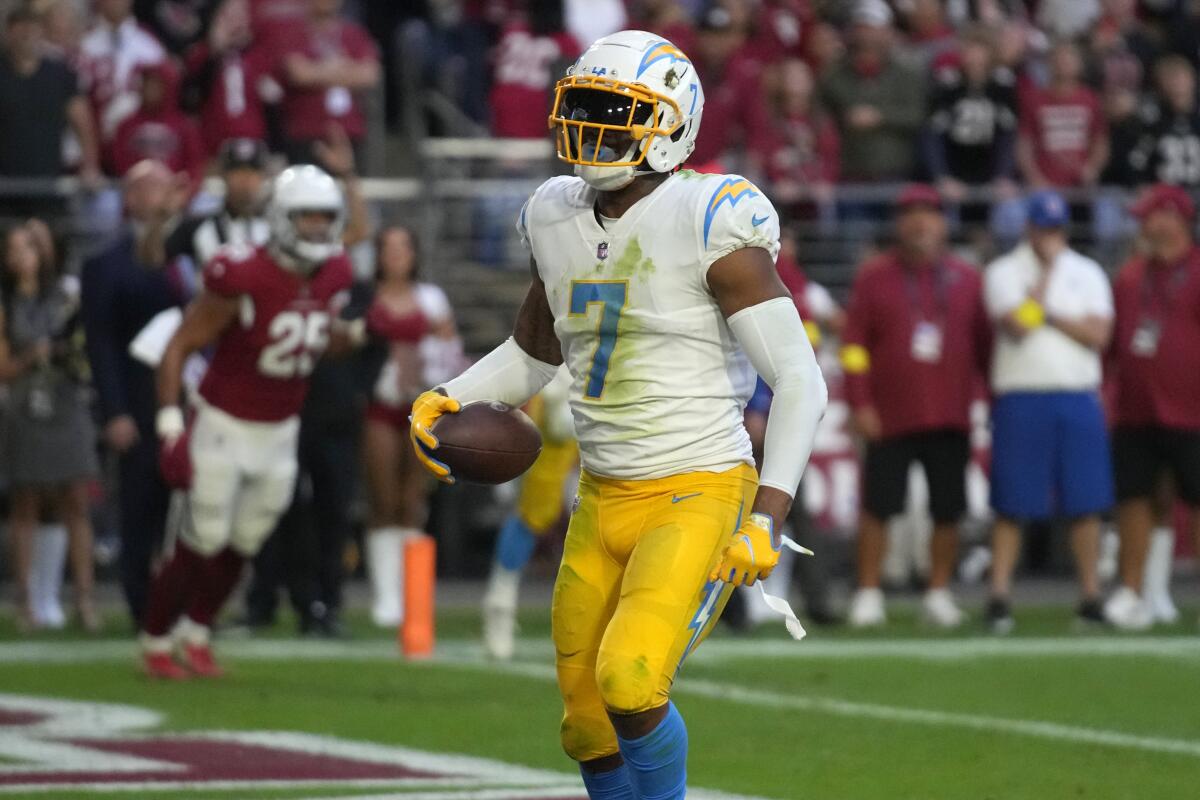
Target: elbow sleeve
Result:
[[774, 339], [507, 374]]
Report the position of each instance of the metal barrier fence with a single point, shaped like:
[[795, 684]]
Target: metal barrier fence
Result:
[[467, 193]]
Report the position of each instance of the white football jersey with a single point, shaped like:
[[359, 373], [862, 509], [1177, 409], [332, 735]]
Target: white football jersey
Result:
[[658, 380]]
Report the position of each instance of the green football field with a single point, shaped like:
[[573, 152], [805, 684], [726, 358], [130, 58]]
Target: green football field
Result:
[[910, 714]]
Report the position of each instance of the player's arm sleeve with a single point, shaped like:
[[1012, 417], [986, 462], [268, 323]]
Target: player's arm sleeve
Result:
[[855, 354], [773, 337], [507, 374]]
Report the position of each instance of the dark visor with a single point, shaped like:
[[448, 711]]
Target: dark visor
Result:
[[603, 108]]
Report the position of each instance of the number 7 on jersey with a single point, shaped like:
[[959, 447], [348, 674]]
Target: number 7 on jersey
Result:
[[611, 296]]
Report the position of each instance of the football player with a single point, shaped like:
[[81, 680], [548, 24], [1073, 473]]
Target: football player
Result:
[[266, 311], [657, 287]]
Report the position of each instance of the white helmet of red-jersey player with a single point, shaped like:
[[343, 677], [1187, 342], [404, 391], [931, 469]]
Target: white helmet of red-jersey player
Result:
[[630, 105], [296, 190]]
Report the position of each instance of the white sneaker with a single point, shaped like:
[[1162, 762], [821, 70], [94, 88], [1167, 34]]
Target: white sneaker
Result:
[[939, 608], [1126, 610], [866, 609], [385, 567], [500, 613], [1162, 608]]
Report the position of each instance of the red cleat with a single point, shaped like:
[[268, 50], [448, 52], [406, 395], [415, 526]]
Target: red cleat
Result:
[[199, 660], [160, 666]]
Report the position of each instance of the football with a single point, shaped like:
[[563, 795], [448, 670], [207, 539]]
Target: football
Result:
[[487, 442]]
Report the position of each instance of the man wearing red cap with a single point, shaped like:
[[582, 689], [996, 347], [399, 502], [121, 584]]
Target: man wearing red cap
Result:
[[1156, 370], [916, 342]]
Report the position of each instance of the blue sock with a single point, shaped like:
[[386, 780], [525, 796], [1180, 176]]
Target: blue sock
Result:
[[657, 762], [612, 785], [514, 545]]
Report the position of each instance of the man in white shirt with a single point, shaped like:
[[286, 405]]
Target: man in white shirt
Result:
[[1053, 312], [109, 55]]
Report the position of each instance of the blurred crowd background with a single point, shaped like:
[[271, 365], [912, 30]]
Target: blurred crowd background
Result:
[[124, 124]]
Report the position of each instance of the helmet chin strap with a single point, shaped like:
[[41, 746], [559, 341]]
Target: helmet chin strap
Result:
[[609, 179]]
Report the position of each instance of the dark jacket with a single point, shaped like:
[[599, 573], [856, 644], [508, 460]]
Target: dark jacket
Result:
[[120, 296]]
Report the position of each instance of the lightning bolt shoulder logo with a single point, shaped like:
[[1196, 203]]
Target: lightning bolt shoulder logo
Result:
[[731, 191]]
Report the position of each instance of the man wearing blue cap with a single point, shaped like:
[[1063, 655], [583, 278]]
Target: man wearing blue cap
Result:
[[1053, 312]]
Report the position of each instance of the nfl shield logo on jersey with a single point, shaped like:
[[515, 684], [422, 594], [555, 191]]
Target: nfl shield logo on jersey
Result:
[[602, 251]]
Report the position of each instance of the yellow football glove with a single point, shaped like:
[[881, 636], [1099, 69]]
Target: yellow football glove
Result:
[[425, 411], [751, 553]]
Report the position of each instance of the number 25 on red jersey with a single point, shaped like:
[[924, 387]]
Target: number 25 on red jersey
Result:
[[297, 340]]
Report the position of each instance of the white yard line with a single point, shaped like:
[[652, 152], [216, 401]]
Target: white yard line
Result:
[[733, 693], [467, 655], [711, 652]]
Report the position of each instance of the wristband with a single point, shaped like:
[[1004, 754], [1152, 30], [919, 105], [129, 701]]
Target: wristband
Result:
[[169, 424]]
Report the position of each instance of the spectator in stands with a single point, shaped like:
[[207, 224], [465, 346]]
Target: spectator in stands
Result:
[[795, 145], [783, 29], [825, 47], [49, 450], [64, 27], [1119, 35], [229, 81], [1169, 150], [1052, 309], [158, 130], [1124, 115], [40, 98], [668, 18], [178, 24], [729, 70], [109, 56], [533, 51], [915, 343], [1066, 19], [877, 100], [412, 329], [929, 31], [1156, 366], [326, 62], [124, 287], [1063, 141], [970, 141]]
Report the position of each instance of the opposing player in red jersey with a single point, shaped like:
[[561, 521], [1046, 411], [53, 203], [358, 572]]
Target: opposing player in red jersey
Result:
[[267, 313]]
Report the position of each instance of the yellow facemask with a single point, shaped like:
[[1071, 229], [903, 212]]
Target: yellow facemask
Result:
[[572, 141]]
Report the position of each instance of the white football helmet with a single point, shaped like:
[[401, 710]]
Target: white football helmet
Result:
[[631, 104], [305, 188]]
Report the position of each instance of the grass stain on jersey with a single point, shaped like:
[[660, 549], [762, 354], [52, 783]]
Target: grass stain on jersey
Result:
[[632, 264]]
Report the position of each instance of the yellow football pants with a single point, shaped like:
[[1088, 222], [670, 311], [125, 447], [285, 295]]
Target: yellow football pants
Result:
[[540, 503], [633, 596]]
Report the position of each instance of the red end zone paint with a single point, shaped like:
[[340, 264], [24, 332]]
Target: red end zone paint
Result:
[[55, 744], [49, 745], [204, 760]]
